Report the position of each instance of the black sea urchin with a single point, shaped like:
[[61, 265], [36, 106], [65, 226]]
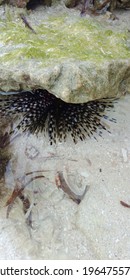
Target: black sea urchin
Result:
[[42, 111]]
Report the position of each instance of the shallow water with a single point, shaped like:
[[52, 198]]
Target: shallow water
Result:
[[61, 228]]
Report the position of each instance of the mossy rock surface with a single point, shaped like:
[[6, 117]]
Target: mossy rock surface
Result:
[[75, 58]]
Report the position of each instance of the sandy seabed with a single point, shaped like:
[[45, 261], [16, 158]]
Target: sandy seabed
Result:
[[97, 228]]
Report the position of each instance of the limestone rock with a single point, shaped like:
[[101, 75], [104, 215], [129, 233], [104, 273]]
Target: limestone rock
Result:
[[75, 58]]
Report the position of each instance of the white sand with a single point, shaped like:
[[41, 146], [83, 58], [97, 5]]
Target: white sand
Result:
[[97, 228]]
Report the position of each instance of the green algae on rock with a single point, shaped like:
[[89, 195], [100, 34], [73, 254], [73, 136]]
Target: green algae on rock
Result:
[[58, 38], [77, 59]]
